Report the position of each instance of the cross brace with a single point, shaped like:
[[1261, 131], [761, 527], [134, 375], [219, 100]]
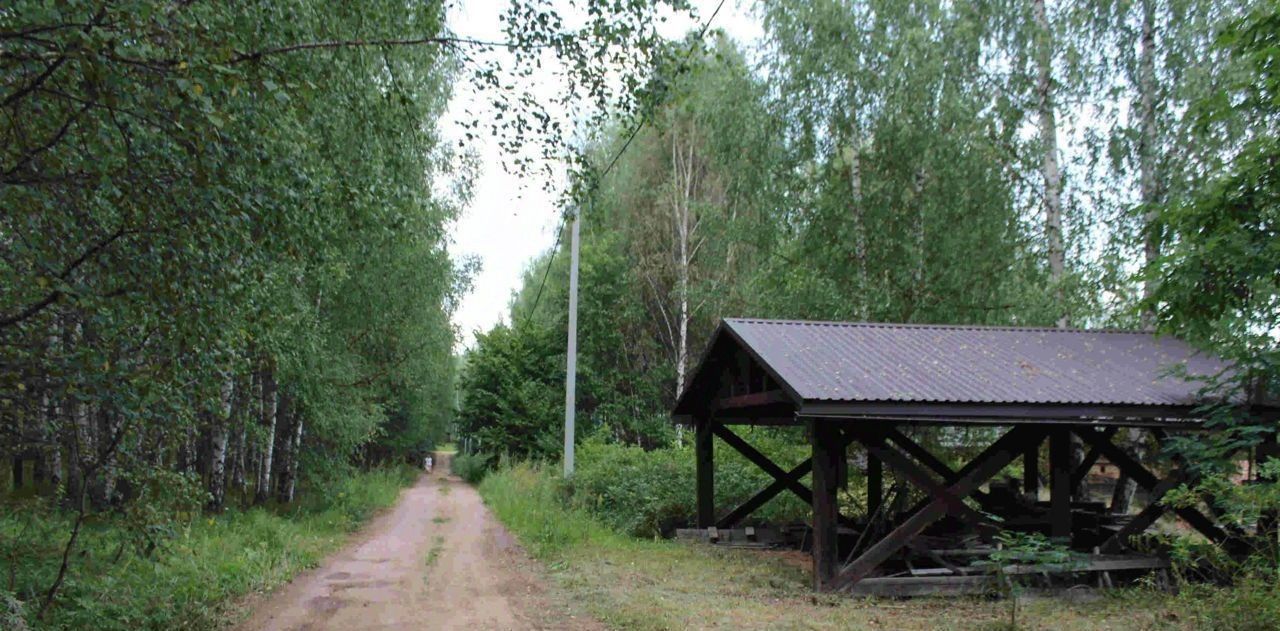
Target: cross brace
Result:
[[979, 470]]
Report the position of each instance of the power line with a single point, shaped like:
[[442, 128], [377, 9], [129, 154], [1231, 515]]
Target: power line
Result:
[[555, 248], [644, 118]]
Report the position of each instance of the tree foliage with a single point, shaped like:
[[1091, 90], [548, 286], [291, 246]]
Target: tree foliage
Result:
[[223, 266]]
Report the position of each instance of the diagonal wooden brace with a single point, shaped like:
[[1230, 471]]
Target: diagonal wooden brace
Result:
[[915, 450], [760, 460], [1090, 458], [1149, 481], [986, 465], [750, 506], [876, 446], [1117, 542]]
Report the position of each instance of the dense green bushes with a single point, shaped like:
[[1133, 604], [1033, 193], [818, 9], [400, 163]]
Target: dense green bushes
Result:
[[651, 492], [186, 575], [469, 467]]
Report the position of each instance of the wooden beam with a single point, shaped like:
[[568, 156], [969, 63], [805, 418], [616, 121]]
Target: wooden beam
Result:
[[760, 460], [875, 486], [955, 506], [917, 451], [828, 449], [1014, 413], [1269, 521], [1060, 483], [1148, 480], [763, 421], [1031, 470], [750, 400], [704, 455], [905, 586], [987, 464], [1090, 459], [1143, 520], [750, 506]]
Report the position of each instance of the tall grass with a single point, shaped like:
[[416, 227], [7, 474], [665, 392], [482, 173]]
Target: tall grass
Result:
[[198, 569], [531, 502], [634, 583]]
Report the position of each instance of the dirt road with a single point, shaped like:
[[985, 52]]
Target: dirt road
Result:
[[437, 560]]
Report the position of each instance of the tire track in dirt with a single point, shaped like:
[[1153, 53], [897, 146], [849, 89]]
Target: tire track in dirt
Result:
[[437, 560]]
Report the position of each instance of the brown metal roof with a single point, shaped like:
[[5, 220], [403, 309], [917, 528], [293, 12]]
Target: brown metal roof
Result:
[[866, 362]]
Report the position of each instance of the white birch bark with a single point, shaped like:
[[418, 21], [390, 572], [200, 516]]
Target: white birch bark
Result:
[[682, 164], [856, 217], [1049, 167], [1151, 190], [270, 405], [218, 445]]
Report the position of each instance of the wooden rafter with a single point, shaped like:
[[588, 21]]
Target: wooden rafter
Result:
[[754, 399]]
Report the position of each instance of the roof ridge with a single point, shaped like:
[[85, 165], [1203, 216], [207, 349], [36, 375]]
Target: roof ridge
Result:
[[916, 325]]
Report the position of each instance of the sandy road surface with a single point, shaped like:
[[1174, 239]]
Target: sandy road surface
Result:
[[437, 560]]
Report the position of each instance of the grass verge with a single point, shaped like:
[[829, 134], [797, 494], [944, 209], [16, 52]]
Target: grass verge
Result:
[[199, 569], [658, 584]]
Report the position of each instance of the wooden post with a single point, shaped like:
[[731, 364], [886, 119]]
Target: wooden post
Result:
[[705, 458], [1060, 482], [828, 449], [875, 485], [1270, 520], [1031, 471], [18, 473]]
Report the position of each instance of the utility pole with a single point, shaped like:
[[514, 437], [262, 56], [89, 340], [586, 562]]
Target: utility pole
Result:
[[571, 369]]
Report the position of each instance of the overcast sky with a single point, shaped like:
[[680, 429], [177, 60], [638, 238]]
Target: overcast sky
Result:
[[510, 221]]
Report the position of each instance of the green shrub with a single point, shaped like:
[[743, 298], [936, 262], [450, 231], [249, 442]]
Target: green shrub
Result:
[[1251, 603], [651, 493], [11, 613], [532, 503], [470, 467]]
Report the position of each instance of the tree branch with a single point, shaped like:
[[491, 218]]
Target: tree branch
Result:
[[362, 43], [56, 294]]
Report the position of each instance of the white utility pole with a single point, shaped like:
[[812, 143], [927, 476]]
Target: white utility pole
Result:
[[571, 369]]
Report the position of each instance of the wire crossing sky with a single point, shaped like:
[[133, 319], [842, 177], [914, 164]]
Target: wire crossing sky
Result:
[[509, 221]]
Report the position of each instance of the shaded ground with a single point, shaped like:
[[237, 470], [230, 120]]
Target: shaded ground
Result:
[[437, 560]]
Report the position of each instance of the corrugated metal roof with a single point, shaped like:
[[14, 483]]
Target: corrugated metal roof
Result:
[[842, 361]]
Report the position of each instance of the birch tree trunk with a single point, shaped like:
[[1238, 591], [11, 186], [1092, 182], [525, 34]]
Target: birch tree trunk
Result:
[[52, 427], [1151, 189], [240, 409], [682, 192], [295, 452], [104, 426], [285, 416], [858, 219], [270, 406], [1051, 172], [289, 453], [52, 460], [1049, 167], [218, 446]]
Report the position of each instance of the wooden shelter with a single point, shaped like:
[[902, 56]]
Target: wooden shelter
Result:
[[870, 384]]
